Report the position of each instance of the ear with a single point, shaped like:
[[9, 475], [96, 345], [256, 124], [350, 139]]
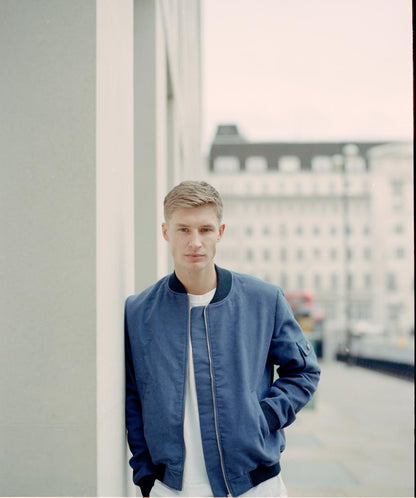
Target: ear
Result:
[[165, 231], [220, 232]]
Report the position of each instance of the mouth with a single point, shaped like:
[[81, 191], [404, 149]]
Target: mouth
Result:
[[194, 256]]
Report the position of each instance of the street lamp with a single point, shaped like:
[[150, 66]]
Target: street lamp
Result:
[[342, 163]]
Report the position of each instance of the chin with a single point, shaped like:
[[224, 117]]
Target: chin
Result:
[[196, 265]]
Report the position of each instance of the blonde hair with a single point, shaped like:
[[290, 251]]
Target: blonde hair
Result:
[[192, 194]]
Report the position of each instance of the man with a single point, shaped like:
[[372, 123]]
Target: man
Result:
[[203, 415]]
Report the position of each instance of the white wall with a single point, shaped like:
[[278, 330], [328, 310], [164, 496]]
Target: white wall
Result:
[[115, 234], [150, 114], [167, 116], [97, 124]]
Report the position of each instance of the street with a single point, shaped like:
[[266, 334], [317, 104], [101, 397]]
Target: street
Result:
[[357, 438]]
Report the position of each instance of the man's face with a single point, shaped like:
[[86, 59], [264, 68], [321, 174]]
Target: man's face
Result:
[[193, 234]]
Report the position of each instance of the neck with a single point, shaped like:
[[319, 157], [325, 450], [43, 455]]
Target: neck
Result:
[[198, 282]]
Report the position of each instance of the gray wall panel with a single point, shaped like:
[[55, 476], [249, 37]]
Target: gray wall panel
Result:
[[47, 162]]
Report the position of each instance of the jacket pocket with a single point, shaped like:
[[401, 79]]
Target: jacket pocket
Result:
[[261, 419], [305, 347]]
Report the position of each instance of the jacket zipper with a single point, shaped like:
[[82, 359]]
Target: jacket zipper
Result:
[[186, 373], [215, 404]]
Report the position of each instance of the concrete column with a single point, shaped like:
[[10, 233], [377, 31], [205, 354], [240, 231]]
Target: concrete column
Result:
[[151, 171], [67, 256], [48, 255]]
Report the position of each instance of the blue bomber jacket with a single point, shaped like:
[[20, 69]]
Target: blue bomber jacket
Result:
[[238, 340]]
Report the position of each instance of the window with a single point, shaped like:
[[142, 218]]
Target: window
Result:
[[282, 230], [299, 230], [226, 164], [317, 282], [355, 164], [360, 311], [249, 255], [331, 311], [266, 255], [256, 164], [394, 312], [397, 193], [283, 254], [251, 207], [299, 254], [391, 282], [333, 253], [283, 280], [300, 281], [367, 253], [289, 164], [400, 253], [321, 163], [249, 231], [317, 253], [334, 281], [350, 281], [397, 188], [367, 281], [316, 230], [397, 205]]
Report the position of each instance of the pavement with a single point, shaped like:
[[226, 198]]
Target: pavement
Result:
[[356, 438]]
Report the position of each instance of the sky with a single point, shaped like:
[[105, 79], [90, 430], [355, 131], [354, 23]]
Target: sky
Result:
[[308, 69]]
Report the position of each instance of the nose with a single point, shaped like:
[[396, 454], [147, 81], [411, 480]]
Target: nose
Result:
[[195, 240]]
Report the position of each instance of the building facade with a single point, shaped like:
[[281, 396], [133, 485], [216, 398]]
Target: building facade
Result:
[[100, 117], [334, 219]]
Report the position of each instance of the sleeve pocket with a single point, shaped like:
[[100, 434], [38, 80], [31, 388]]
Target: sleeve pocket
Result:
[[305, 347]]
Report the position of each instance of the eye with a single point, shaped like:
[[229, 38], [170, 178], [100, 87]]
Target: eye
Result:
[[183, 229]]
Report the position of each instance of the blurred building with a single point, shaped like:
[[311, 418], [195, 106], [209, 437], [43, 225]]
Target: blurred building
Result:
[[100, 116], [331, 218]]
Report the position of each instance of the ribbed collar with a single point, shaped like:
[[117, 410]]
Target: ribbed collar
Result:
[[224, 279]]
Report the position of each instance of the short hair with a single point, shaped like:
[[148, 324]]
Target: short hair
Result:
[[192, 194]]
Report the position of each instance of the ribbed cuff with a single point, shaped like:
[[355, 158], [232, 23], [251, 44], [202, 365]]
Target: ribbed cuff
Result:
[[271, 416], [146, 484], [262, 473]]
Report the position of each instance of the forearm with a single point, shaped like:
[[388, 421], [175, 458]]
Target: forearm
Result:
[[141, 462], [298, 369], [286, 397]]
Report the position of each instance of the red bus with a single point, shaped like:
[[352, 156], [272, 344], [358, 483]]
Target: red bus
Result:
[[309, 318]]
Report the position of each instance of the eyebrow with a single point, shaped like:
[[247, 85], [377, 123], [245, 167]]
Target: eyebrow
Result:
[[205, 225]]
